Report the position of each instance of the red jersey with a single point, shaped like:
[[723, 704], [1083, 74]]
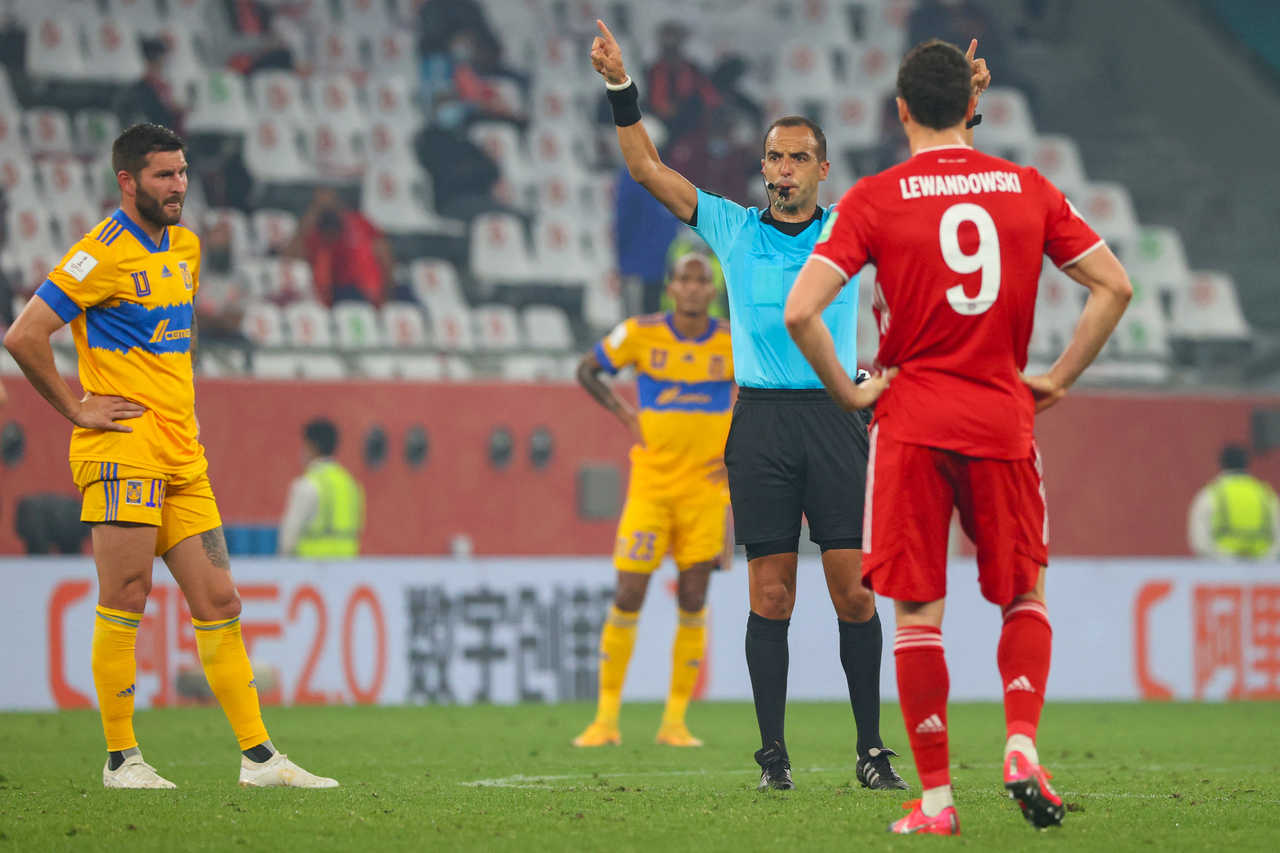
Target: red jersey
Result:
[[957, 237]]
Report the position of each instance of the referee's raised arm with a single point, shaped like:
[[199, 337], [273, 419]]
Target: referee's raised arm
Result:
[[646, 167]]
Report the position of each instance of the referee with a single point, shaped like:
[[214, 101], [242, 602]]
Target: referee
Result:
[[791, 449]]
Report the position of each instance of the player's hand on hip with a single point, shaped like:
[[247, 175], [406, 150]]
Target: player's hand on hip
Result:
[[868, 391], [981, 78], [1045, 389], [103, 412], [606, 56], [632, 420]]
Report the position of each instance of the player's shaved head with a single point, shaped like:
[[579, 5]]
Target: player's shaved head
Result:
[[130, 151], [934, 80]]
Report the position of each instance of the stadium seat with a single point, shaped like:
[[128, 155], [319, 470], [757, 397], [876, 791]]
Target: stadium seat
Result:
[[391, 100], [267, 365], [113, 54], [451, 328], [334, 97], [308, 325], [263, 324], [32, 264], [48, 131], [242, 240], [499, 252], [337, 150], [1057, 311], [871, 68], [338, 50], [868, 334], [377, 366], [53, 49], [271, 229], [1109, 209], [357, 326], [556, 148], [11, 141], [1141, 335], [560, 255], [854, 118], [435, 284], [1006, 122], [1158, 259], [29, 226], [555, 102], [421, 368], [403, 326], [1207, 309], [501, 141], [546, 327], [9, 104], [279, 95], [143, 16], [95, 130], [220, 104], [602, 301], [395, 54], [1058, 159], [527, 367], [74, 220], [17, 174], [391, 144], [189, 14], [182, 63], [458, 369], [496, 327], [367, 18], [802, 66], [63, 181], [398, 200], [272, 153], [279, 279]]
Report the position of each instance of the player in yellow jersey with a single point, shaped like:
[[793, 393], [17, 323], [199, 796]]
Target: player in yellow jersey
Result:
[[127, 289], [678, 498]]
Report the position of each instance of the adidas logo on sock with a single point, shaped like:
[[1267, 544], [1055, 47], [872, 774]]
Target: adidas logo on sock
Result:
[[931, 724], [1019, 683]]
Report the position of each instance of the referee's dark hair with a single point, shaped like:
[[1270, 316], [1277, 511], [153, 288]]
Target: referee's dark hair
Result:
[[129, 151], [321, 434], [1234, 458], [801, 121], [934, 80]]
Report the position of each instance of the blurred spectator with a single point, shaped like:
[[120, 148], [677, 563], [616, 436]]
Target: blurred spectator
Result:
[[1236, 515], [958, 21], [350, 258], [682, 95], [324, 515], [151, 98], [223, 295], [462, 67], [463, 175], [643, 229], [256, 36]]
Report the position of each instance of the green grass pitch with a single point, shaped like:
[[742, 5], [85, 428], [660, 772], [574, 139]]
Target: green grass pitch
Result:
[[1135, 777]]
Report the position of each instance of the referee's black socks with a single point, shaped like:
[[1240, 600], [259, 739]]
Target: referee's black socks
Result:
[[861, 644], [767, 661]]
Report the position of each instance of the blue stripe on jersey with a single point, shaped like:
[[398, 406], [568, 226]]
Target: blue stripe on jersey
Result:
[[760, 264], [58, 300], [109, 232], [136, 230], [128, 325], [665, 396], [603, 358]]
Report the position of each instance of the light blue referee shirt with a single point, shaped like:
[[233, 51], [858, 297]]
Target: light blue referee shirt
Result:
[[760, 264]]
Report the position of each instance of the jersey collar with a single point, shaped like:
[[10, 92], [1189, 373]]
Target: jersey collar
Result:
[[136, 230], [942, 148], [711, 329]]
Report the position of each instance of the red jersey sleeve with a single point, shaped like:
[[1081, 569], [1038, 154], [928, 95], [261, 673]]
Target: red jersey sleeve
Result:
[[1067, 237], [845, 241]]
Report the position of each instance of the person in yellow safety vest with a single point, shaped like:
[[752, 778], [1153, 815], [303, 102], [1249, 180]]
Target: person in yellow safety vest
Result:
[[325, 513], [1236, 515]]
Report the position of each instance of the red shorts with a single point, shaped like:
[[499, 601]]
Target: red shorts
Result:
[[910, 492]]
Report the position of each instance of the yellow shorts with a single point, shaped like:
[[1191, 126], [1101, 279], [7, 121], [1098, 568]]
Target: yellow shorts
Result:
[[180, 505], [689, 527]]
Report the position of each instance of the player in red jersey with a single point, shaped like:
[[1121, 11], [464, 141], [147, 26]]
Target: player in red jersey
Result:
[[957, 238]]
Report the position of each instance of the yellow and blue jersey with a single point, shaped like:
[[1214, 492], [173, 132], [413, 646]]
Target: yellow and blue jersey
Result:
[[685, 391], [129, 303]]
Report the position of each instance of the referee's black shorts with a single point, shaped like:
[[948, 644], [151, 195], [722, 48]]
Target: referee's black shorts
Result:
[[791, 452]]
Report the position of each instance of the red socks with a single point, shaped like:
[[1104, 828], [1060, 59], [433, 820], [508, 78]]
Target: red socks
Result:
[[1023, 656], [923, 684]]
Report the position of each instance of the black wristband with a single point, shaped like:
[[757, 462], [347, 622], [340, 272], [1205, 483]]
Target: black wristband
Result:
[[625, 104]]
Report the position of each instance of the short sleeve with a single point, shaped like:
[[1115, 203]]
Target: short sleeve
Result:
[[618, 349], [845, 241], [719, 220], [81, 280], [1067, 237]]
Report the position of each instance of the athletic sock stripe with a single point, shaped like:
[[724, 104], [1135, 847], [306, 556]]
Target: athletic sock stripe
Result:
[[128, 623], [1031, 608], [213, 626], [911, 647]]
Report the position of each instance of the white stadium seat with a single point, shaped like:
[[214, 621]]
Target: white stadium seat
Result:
[[1109, 209], [279, 95], [496, 327], [1006, 121], [263, 324], [547, 327], [435, 284], [48, 131], [498, 249], [451, 328], [357, 326], [95, 130], [271, 229], [1158, 258], [272, 153], [53, 49], [308, 325], [403, 326], [1058, 159], [220, 103], [113, 53], [1208, 309], [64, 181]]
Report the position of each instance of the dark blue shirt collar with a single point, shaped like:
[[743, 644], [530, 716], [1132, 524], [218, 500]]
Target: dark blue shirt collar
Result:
[[136, 230], [711, 329]]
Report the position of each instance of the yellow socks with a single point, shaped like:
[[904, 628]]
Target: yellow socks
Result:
[[115, 635], [617, 641], [686, 659], [226, 665]]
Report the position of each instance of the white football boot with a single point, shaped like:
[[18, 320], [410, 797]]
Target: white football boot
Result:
[[280, 772], [134, 773]]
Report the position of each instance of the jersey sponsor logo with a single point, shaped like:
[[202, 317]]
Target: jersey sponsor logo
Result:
[[829, 226], [133, 492], [164, 333], [924, 186], [80, 265], [675, 394]]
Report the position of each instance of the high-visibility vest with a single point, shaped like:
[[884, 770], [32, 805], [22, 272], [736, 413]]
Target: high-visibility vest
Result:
[[1242, 515], [334, 529]]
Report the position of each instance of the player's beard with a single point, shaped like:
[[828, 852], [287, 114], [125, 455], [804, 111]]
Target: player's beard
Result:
[[152, 209]]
